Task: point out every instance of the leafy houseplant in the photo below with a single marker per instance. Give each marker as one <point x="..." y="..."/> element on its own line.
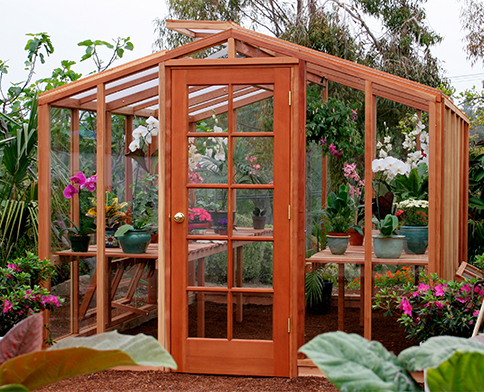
<point x="222" y="226"/>
<point x="258" y="218"/>
<point x="79" y="236"/>
<point x="357" y="188"/>
<point x="339" y="215"/>
<point x="318" y="287"/>
<point x="387" y="245"/>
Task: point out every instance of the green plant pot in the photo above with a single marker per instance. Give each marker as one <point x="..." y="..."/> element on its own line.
<point x="338" y="243"/>
<point x="416" y="239"/>
<point x="258" y="222"/>
<point x="135" y="241"/>
<point x="79" y="243"/>
<point x="388" y="247"/>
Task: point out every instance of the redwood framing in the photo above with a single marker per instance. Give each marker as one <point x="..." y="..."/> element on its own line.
<point x="143" y="88"/>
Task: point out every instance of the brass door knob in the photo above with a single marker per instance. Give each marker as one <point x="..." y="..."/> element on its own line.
<point x="179" y="217"/>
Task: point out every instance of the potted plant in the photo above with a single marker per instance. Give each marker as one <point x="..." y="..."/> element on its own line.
<point x="222" y="226"/>
<point x="318" y="288"/>
<point x="259" y="218"/>
<point x="79" y="236"/>
<point x="115" y="213"/>
<point x="199" y="220"/>
<point x="414" y="214"/>
<point x="357" y="188"/>
<point x="339" y="218"/>
<point x="387" y="245"/>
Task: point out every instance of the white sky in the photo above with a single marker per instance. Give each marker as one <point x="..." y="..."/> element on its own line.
<point x="69" y="22"/>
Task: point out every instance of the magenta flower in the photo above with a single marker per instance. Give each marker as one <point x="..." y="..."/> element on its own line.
<point x="90" y="183"/>
<point x="406" y="307"/>
<point x="79" y="179"/>
<point x="14" y="267"/>
<point x="476" y="312"/>
<point x="423" y="288"/>
<point x="70" y="191"/>
<point x="439" y="290"/>
<point x="7" y="305"/>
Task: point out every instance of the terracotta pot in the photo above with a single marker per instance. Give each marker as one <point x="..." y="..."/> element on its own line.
<point x="355" y="238"/>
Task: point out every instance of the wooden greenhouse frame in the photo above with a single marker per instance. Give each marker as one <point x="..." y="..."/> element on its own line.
<point x="146" y="87"/>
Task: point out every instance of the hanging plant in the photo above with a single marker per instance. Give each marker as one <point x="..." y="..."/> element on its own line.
<point x="333" y="125"/>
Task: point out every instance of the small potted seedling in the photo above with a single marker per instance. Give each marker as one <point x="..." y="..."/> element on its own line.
<point x="259" y="218"/>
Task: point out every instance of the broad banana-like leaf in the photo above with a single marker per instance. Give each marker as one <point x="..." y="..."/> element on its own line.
<point x="76" y="356"/>
<point x="353" y="363"/>
<point x="461" y="372"/>
<point x="13" y="388"/>
<point x="436" y="350"/>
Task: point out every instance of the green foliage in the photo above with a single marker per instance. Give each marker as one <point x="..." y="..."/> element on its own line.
<point x="354" y="364"/>
<point x="332" y="124"/>
<point x="476" y="203"/>
<point x="339" y="213"/>
<point x="92" y="47"/>
<point x="76" y="356"/>
<point x="435" y="307"/>
<point x="314" y="283"/>
<point x="414" y="186"/>
<point x="387" y="225"/>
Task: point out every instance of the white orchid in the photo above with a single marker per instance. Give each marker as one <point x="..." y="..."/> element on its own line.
<point x="383" y="154"/>
<point x="217" y="129"/>
<point x="134" y="145"/>
<point x="387" y="139"/>
<point x="143" y="135"/>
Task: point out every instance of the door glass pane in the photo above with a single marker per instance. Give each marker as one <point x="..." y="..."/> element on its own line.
<point x="252" y="316"/>
<point x="207" y="263"/>
<point x="254" y="212"/>
<point x="207" y="160"/>
<point x="257" y="112"/>
<point x="207" y="108"/>
<point x="207" y="211"/>
<point x="253" y="160"/>
<point x="253" y="264"/>
<point x="207" y="315"/>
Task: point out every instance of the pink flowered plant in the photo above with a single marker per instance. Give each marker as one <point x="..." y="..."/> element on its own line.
<point x="198" y="215"/>
<point x="82" y="182"/>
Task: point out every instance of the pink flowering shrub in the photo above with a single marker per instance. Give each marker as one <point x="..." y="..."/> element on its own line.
<point x="20" y="292"/>
<point x="198" y="215"/>
<point x="434" y="307"/>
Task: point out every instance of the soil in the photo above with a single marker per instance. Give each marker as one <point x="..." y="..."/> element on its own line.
<point x="384" y="329"/>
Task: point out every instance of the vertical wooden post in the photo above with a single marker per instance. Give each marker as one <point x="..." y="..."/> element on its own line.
<point x="370" y="135"/>
<point x="232" y="54"/>
<point x="163" y="244"/>
<point x="128" y="162"/>
<point x="107" y="150"/>
<point x="324" y="161"/>
<point x="102" y="279"/>
<point x="75" y="208"/>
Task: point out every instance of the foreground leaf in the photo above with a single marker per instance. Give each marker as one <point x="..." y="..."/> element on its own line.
<point x="436" y="350"/>
<point x="353" y="363"/>
<point x="13" y="388"/>
<point x="76" y="356"/>
<point x="460" y="373"/>
<point x="23" y="338"/>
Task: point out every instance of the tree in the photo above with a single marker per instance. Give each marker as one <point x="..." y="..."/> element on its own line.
<point x="472" y="18"/>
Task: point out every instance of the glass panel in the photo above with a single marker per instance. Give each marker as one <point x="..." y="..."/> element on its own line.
<point x="253" y="264"/>
<point x="207" y="263"/>
<point x="257" y="116"/>
<point x="207" y="160"/>
<point x="253" y="160"/>
<point x="254" y="211"/>
<point x="208" y="106"/>
<point x="207" y="315"/>
<point x="252" y="316"/>
<point x="207" y="210"/>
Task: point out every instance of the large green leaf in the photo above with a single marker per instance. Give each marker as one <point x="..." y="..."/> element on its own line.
<point x="460" y="373"/>
<point x="436" y="350"/>
<point x="353" y="363"/>
<point x="75" y="356"/>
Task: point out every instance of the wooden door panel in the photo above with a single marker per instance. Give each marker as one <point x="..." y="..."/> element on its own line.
<point x="214" y="355"/>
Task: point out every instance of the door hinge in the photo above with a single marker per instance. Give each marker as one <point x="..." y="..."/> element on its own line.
<point x="289" y="212"/>
<point x="290" y="98"/>
<point x="289" y="325"/>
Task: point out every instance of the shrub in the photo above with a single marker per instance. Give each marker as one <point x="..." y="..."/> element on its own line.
<point x="20" y="292"/>
<point x="435" y="307"/>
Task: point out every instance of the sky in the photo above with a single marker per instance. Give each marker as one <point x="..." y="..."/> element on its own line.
<point x="70" y="22"/>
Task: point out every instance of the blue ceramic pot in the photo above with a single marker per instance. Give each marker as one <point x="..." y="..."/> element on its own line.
<point x="388" y="247"/>
<point x="416" y="239"/>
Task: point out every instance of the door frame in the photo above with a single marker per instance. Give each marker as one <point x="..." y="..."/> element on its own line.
<point x="172" y="301"/>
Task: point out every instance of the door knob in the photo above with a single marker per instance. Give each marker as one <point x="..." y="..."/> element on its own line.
<point x="179" y="217"/>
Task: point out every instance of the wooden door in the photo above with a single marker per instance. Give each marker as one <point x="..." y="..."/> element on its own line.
<point x="230" y="282"/>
